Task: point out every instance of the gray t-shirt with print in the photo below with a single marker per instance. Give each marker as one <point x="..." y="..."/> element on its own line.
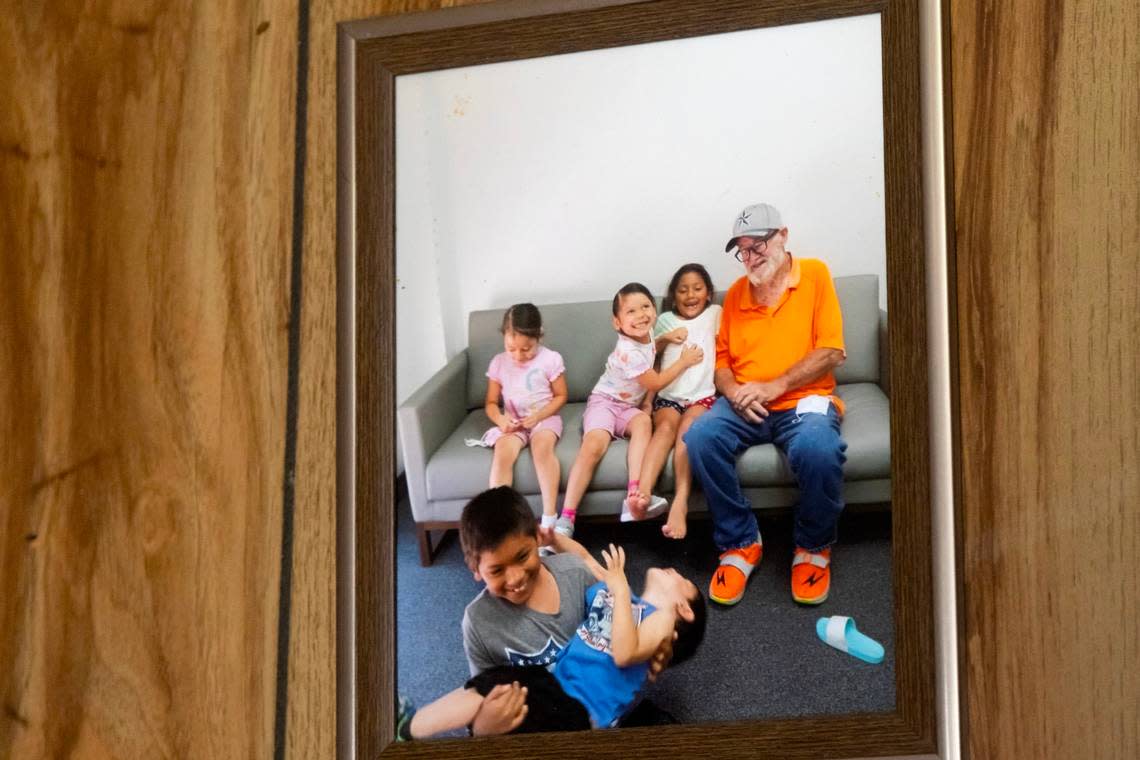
<point x="496" y="632"/>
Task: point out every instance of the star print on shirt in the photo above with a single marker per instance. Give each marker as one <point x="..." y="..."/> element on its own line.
<point x="546" y="656"/>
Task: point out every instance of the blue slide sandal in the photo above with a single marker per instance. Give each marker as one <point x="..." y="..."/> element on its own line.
<point x="840" y="632"/>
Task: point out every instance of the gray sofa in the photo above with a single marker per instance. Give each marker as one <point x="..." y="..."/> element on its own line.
<point x="443" y="473"/>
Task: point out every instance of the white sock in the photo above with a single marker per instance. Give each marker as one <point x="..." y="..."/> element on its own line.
<point x="549" y="520"/>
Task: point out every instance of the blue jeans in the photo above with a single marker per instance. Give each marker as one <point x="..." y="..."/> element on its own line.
<point x="815" y="453"/>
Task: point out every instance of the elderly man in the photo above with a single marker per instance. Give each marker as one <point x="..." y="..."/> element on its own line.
<point x="780" y="339"/>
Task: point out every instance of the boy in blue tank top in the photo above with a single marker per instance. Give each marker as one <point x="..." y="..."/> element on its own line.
<point x="602" y="670"/>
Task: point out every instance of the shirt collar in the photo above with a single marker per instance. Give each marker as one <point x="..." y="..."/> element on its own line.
<point x="794" y="275"/>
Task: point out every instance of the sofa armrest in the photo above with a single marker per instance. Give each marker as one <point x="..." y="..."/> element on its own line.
<point x="425" y="420"/>
<point x="884" y="355"/>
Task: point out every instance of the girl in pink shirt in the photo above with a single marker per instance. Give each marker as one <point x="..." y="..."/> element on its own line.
<point x="529" y="380"/>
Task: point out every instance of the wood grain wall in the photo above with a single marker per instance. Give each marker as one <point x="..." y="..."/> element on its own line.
<point x="1046" y="140"/>
<point x="146" y="168"/>
<point x="146" y="158"/>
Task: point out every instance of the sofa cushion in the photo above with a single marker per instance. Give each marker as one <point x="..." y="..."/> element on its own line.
<point x="457" y="471"/>
<point x="859" y="304"/>
<point x="866" y="428"/>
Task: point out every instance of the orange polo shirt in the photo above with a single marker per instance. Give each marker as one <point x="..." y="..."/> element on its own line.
<point x="760" y="344"/>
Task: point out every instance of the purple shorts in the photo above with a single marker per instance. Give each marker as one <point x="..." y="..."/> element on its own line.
<point x="611" y="415"/>
<point x="552" y="423"/>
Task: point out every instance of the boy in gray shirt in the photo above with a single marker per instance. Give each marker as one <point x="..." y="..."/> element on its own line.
<point x="499" y="632"/>
<point x="530" y="607"/>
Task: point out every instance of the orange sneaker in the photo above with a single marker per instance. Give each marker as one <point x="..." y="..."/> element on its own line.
<point x="731" y="576"/>
<point x="811" y="576"/>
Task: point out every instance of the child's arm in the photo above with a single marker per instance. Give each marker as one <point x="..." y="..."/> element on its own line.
<point x="630" y="644"/>
<point x="647" y="402"/>
<point x="449" y="712"/>
<point x="561" y="393"/>
<point x="676" y="335"/>
<point x="652" y="380"/>
<point x="566" y="545"/>
<point x="491" y="407"/>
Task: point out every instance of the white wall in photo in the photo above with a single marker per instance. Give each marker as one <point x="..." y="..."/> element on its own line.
<point x="562" y="178"/>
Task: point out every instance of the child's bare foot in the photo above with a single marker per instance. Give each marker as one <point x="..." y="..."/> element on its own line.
<point x="644" y="498"/>
<point x="636" y="503"/>
<point x="676" y="526"/>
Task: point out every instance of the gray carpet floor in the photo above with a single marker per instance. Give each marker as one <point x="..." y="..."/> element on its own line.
<point x="760" y="659"/>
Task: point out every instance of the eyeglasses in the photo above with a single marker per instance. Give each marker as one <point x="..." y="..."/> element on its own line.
<point x="756" y="248"/>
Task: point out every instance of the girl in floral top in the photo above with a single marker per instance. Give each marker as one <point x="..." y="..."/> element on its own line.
<point x="616" y="406"/>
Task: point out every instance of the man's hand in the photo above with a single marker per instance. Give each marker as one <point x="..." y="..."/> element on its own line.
<point x="502" y="711"/>
<point x="749" y="400"/>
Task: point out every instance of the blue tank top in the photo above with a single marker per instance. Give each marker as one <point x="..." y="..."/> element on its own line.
<point x="586" y="669"/>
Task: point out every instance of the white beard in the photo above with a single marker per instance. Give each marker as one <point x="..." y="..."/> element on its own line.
<point x="764" y="275"/>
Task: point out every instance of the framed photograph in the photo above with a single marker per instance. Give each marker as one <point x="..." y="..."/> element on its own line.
<point x="550" y="152"/>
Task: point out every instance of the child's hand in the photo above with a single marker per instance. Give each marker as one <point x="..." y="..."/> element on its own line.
<point x="502" y="711"/>
<point x="614" y="574"/>
<point x="661" y="657"/>
<point x="508" y="424"/>
<point x="678" y="335"/>
<point x="692" y="355"/>
<point x="529" y="421"/>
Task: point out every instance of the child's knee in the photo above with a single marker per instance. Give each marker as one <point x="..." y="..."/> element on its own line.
<point x="594" y="445"/>
<point x="508" y="443"/>
<point x="542" y="450"/>
<point x="641" y="425"/>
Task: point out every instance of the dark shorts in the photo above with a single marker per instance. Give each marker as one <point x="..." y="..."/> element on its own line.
<point x="664" y="403"/>
<point x="549" y="708"/>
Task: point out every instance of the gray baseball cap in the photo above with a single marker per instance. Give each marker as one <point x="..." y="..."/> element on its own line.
<point x="757" y="220"/>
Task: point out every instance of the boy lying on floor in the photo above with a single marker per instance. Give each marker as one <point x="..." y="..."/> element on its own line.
<point x="601" y="672"/>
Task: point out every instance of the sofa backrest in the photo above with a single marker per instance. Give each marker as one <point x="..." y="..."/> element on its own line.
<point x="583" y="333"/>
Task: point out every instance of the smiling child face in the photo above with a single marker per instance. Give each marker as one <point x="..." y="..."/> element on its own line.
<point x="691" y="296"/>
<point x="636" y="316"/>
<point x="511" y="569"/>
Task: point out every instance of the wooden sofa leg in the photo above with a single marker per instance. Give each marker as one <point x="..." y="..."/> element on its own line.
<point x="424" y="537"/>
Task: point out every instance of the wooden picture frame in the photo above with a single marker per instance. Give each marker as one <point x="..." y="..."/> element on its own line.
<point x="372" y="53"/>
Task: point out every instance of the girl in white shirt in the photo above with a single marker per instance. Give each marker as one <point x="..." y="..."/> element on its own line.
<point x="690" y="318"/>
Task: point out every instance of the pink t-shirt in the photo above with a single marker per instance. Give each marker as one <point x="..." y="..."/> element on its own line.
<point x="629" y="361"/>
<point x="526" y="387"/>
